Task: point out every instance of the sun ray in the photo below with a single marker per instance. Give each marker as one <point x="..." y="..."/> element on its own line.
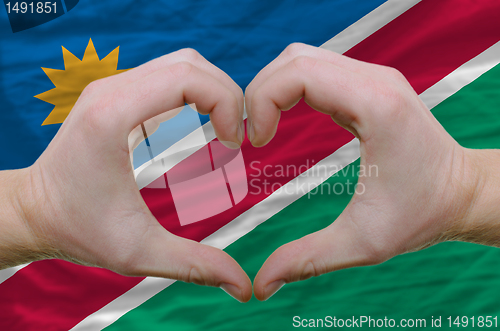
<point x="70" y="82"/>
<point x="112" y="58"/>
<point x="70" y="60"/>
<point x="54" y="75"/>
<point x="90" y="53"/>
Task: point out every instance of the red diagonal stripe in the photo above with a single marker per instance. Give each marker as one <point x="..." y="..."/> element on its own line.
<point x="432" y="39"/>
<point x="426" y="43"/>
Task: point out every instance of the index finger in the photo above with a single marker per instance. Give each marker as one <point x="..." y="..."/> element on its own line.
<point x="183" y="55"/>
<point x="328" y="88"/>
<point x="116" y="114"/>
<point x="295" y="50"/>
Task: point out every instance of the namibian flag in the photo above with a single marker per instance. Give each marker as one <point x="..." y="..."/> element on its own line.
<point x="448" y="50"/>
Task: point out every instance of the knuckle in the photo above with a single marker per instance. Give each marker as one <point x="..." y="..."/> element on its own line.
<point x="295" y="49"/>
<point x="99" y="111"/>
<point x="92" y="88"/>
<point x="396" y="74"/>
<point x="308" y="264"/>
<point x="310" y="269"/>
<point x="181" y="69"/>
<point x="392" y="98"/>
<point x="304" y="63"/>
<point x="189" y="54"/>
<point x="194" y="276"/>
<point x="191" y="275"/>
<point x="392" y="101"/>
<point x="194" y="270"/>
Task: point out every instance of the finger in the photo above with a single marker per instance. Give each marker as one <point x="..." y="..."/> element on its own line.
<point x="330" y="89"/>
<point x="166" y="255"/>
<point x="333" y="248"/>
<point x="298" y="49"/>
<point x="184" y="55"/>
<point x="167" y="89"/>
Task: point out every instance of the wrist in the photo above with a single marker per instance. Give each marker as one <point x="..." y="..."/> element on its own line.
<point x="479" y="221"/>
<point x="18" y="241"/>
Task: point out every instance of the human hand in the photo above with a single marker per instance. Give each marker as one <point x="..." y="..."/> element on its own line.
<point x="80" y="201"/>
<point x="427" y="186"/>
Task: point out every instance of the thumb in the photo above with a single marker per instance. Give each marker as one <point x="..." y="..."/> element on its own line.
<point x="333" y="248"/>
<point x="169" y="256"/>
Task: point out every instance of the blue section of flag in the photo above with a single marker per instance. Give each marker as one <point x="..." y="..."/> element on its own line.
<point x="240" y="37"/>
<point x="70" y="4"/>
<point x="166" y="135"/>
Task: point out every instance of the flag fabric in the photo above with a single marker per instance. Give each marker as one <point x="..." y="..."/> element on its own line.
<point x="449" y="51"/>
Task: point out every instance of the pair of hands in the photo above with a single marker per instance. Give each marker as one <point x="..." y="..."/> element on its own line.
<point x="80" y="202"/>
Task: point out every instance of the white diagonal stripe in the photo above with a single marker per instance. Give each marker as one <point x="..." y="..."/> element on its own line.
<point x="368" y="24"/>
<point x="126" y="302"/>
<point x="462" y="76"/>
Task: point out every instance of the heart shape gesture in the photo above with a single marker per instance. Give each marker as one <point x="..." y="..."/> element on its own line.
<point x="80" y="202"/>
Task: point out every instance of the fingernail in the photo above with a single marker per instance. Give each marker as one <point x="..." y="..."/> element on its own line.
<point x="241" y="132"/>
<point x="250" y="129"/>
<point x="272" y="288"/>
<point x="232" y="290"/>
<point x="230" y="144"/>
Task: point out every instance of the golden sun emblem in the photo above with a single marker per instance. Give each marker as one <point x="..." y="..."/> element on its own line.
<point x="70" y="82"/>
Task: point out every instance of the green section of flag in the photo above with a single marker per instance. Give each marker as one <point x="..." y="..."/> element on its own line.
<point x="472" y="115"/>
<point x="449" y="279"/>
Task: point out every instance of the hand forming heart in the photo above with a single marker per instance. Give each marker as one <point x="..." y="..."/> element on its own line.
<point x="80" y="202"/>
